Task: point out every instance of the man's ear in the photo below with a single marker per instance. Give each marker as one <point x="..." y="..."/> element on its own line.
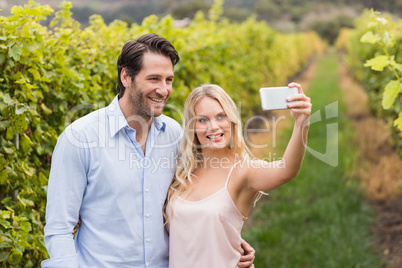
<point x="125" y="78"/>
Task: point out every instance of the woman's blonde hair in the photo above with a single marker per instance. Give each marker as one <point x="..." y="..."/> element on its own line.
<point x="190" y="148"/>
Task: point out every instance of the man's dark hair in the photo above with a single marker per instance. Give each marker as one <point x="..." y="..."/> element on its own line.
<point x="132" y="54"/>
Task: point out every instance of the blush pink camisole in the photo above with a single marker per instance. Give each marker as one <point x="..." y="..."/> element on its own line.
<point x="205" y="233"/>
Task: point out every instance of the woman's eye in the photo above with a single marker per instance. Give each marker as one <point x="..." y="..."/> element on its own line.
<point x="221" y="116"/>
<point x="203" y="120"/>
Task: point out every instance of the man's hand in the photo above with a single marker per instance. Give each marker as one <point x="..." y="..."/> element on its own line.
<point x="77" y="226"/>
<point x="248" y="255"/>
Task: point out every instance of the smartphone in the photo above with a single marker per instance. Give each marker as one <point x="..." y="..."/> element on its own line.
<point x="274" y="98"/>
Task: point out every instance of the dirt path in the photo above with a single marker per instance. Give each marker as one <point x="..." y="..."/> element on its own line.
<point x="379" y="170"/>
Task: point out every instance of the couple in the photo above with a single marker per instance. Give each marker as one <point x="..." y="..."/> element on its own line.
<point x="101" y="170"/>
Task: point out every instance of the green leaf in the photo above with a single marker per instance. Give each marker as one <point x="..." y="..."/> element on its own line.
<point x="4" y="256"/>
<point x="5" y="224"/>
<point x="378" y="63"/>
<point x="25" y="143"/>
<point x="22" y="81"/>
<point x="29" y="264"/>
<point x="2" y="58"/>
<point x="42" y="179"/>
<point x="26" y="227"/>
<point x="11" y="173"/>
<point x="30" y="86"/>
<point x="2" y="105"/>
<point x="33" y="11"/>
<point x="28" y="170"/>
<point x="4" y="124"/>
<point x="372" y="24"/>
<point x="4" y="245"/>
<point x="45" y="79"/>
<point x="8" y="150"/>
<point x="10" y="43"/>
<point x="3" y="176"/>
<point x="15" y="52"/>
<point x="20" y="219"/>
<point x="388" y="39"/>
<point x="46" y="110"/>
<point x="35" y="73"/>
<point x="32" y="47"/>
<point x="15" y="256"/>
<point x="398" y="66"/>
<point x="65" y="38"/>
<point x="391" y="91"/>
<point x="21" y="110"/>
<point x="370" y="38"/>
<point x="10" y="133"/>
<point x="8" y="100"/>
<point x="3" y="161"/>
<point x="5" y="214"/>
<point x="398" y="122"/>
<point x="19" y="246"/>
<point x="20" y="124"/>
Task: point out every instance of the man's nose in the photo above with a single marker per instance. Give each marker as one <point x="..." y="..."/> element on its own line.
<point x="163" y="89"/>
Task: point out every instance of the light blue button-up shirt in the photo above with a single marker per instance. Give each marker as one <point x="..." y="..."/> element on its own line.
<point x="100" y="172"/>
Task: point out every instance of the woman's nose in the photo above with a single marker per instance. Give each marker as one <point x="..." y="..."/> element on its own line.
<point x="213" y="125"/>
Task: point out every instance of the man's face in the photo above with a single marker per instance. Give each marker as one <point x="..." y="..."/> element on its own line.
<point x="152" y="86"/>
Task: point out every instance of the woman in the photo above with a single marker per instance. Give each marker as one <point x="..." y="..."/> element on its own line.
<point x="217" y="181"/>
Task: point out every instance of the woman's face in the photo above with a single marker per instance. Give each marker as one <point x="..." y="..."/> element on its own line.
<point x="212" y="126"/>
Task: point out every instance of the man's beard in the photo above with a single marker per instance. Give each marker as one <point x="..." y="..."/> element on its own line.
<point x="141" y="105"/>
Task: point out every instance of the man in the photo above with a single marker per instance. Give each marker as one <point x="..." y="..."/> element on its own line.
<point x="114" y="166"/>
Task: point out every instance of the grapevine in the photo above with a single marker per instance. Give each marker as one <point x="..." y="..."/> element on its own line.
<point x="374" y="57"/>
<point x="385" y="39"/>
<point x="50" y="72"/>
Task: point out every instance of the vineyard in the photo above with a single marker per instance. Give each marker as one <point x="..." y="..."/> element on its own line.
<point x="56" y="74"/>
<point x="49" y="72"/>
<point x="374" y="56"/>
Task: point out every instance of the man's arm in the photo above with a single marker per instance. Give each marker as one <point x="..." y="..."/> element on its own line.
<point x="67" y="182"/>
<point x="248" y="256"/>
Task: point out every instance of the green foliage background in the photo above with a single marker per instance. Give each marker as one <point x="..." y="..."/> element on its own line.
<point x="374" y="55"/>
<point x="52" y="75"/>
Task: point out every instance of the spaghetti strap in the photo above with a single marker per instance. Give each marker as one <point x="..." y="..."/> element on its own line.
<point x="230" y="172"/>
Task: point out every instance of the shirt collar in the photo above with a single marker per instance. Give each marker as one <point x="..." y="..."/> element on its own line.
<point x="117" y="120"/>
<point x="159" y="123"/>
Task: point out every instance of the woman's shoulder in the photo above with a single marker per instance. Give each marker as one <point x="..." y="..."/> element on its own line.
<point x="249" y="162"/>
<point x="251" y="166"/>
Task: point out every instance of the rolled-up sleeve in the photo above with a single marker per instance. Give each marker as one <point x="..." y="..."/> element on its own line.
<point x="66" y="187"/>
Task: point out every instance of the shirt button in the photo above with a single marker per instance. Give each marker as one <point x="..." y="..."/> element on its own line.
<point x="148" y="240"/>
<point x="148" y="264"/>
<point x="146" y="190"/>
<point x="147" y="215"/>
